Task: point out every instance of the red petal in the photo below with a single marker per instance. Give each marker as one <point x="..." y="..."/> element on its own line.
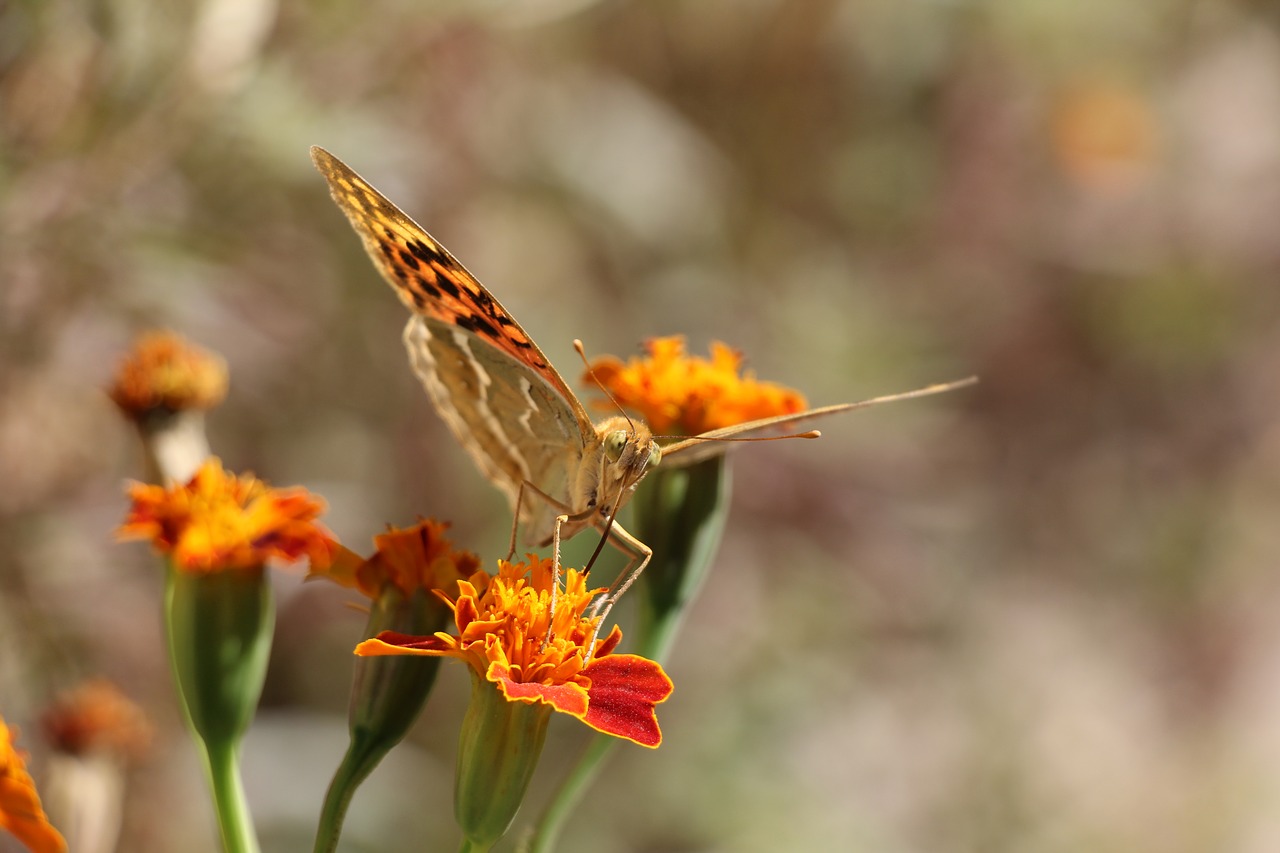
<point x="394" y="643"/>
<point x="569" y="698"/>
<point x="624" y="690"/>
<point x="465" y="612"/>
<point x="609" y="643"/>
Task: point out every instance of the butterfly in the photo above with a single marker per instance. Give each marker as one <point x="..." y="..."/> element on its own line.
<point x="507" y="405"/>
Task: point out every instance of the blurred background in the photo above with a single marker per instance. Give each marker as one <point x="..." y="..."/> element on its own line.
<point x="1037" y="615"/>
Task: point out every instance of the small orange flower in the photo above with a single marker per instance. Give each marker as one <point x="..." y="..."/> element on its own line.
<point x="20" y="809"/>
<point x="219" y="521"/>
<point x="97" y="717"/>
<point x="1105" y="135"/>
<point x="164" y="371"/>
<point x="688" y="395"/>
<point x="410" y="558"/>
<point x="503" y="622"/>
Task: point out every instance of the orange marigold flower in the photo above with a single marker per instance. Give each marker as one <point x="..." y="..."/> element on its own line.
<point x="678" y="394"/>
<point x="164" y="371"/>
<point x="20" y="809"/>
<point x="1105" y="134"/>
<point x="503" y="622"/>
<point x="218" y="521"/>
<point x="410" y="558"/>
<point x="96" y="717"/>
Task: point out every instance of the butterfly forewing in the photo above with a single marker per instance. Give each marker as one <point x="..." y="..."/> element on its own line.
<point x="504" y="402"/>
<point x="430" y="280"/>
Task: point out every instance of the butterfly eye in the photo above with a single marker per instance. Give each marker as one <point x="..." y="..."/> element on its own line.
<point x="655" y="455"/>
<point x="614" y="443"/>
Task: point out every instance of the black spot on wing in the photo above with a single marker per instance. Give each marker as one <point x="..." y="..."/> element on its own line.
<point x="408" y="259"/>
<point x="478" y="325"/>
<point x="431" y="289"/>
<point x="448" y="285"/>
<point x="485" y="303"/>
<point x="420" y="250"/>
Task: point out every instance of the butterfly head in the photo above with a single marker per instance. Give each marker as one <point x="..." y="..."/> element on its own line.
<point x="629" y="451"/>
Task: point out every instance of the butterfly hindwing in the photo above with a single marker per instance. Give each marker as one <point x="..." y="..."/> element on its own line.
<point x="513" y="424"/>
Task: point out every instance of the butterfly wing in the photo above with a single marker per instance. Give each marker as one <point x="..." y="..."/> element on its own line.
<point x="490" y="382"/>
<point x="696" y="448"/>
<point x="511" y="421"/>
<point x="430" y="280"/>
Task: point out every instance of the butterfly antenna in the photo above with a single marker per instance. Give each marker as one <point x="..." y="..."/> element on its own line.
<point x="591" y="371"/>
<point x="812" y="433"/>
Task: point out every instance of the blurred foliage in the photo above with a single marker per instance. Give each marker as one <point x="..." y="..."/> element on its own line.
<point x="1034" y="616"/>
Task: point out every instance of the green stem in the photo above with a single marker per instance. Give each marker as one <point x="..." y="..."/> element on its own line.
<point x="386" y="695"/>
<point x="351" y="772"/>
<point x="219" y="626"/>
<point x="234" y="822"/>
<point x="469" y="846"/>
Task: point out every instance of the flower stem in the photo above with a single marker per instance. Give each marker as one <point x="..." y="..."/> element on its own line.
<point x="386" y="696"/>
<point x="351" y="772"/>
<point x="219" y="627"/>
<point x="470" y="846"/>
<point x="234" y="821"/>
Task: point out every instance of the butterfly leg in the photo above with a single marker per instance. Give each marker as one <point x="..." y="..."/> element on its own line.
<point x="561" y="520"/>
<point x="515" y="521"/>
<point x="555" y="574"/>
<point x="565" y="517"/>
<point x="640" y="555"/>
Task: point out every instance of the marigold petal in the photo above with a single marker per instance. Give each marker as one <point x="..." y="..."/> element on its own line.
<point x="395" y="643"/>
<point x="623" y="694"/>
<point x="218" y="521"/>
<point x="688" y="394"/>
<point x="409" y="558"/>
<point x="609" y="643"/>
<point x="96" y="717"/>
<point x="20" y="811"/>
<point x="605" y="369"/>
<point x="165" y="371"/>
<point x="568" y="698"/>
<point x="21" y="815"/>
<point x="478" y="630"/>
<point x="342" y="568"/>
<point x="465" y="612"/>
